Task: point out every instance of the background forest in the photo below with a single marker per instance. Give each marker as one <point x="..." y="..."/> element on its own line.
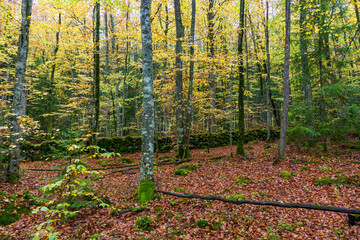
<point x="324" y="66"/>
<point x="93" y="91"/>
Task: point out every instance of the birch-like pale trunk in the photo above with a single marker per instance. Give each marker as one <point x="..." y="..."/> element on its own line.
<point x="19" y="98"/>
<point x="284" y="119"/>
<point x="146" y="186"/>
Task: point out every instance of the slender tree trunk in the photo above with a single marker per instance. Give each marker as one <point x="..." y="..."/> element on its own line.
<point x="212" y="83"/>
<point x="284" y="119"/>
<point x="268" y="113"/>
<point x="146" y="185"/>
<point x="19" y="98"/>
<point x="240" y="142"/>
<point x="166" y="31"/>
<point x="181" y="151"/>
<point x="95" y="127"/>
<point x="191" y="77"/>
<point x="304" y="54"/>
<point x="107" y="71"/>
<point x="247" y="126"/>
<point x="357" y="18"/>
<point x="125" y="72"/>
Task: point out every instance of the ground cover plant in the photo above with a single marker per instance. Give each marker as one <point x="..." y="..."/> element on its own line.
<point x="241" y="178"/>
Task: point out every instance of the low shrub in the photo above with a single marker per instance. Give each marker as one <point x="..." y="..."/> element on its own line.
<point x="145" y="223"/>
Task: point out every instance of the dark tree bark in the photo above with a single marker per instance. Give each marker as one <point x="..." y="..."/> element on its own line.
<point x="19" y="98"/>
<point x="240" y="141"/>
<point x="304" y="54"/>
<point x="107" y="71"/>
<point x="357" y="18"/>
<point x="212" y="83"/>
<point x="182" y="152"/>
<point x="284" y="119"/>
<point x="95" y="124"/>
<point x="191" y="77"/>
<point x="146" y="186"/>
<point x="268" y="113"/>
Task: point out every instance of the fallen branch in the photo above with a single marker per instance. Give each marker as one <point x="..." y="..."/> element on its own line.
<point x="133" y="210"/>
<point x="266" y="203"/>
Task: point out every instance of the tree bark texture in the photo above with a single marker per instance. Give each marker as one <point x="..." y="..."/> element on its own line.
<point x="95" y="127"/>
<point x="180" y="110"/>
<point x="147" y="151"/>
<point x="284" y="119"/>
<point x="268" y="113"/>
<point x="240" y="142"/>
<point x="19" y="98"/>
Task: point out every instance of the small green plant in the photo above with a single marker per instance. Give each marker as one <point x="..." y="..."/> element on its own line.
<point x="124" y="160"/>
<point x="181" y="172"/>
<point x="202" y="223"/>
<point x="221" y="175"/>
<point x="304" y="169"/>
<point x="270" y="234"/>
<point x="236" y="197"/>
<point x="94" y="236"/>
<point x="243" y="180"/>
<point x="287" y="175"/>
<point x="285" y="226"/>
<point x="184" y="169"/>
<point x="175" y="232"/>
<point x="249" y="147"/>
<point x="179" y="189"/>
<point x="325" y="168"/>
<point x="144" y="223"/>
<point x="340" y="180"/>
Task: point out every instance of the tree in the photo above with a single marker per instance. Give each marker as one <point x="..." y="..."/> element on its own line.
<point x="268" y="113"/>
<point x="146" y="186"/>
<point x="240" y="141"/>
<point x="191" y="78"/>
<point x="95" y="124"/>
<point x="19" y="98"/>
<point x="182" y="152"/>
<point x="284" y="119"/>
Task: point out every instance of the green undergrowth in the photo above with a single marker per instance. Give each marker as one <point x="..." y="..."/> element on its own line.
<point x="184" y="169"/>
<point x="12" y="206"/>
<point x="339" y="180"/>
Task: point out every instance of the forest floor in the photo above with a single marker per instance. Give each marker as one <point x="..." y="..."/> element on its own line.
<point x="254" y="176"/>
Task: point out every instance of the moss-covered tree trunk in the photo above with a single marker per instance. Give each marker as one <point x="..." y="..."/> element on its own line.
<point x="19" y="98"/>
<point x="146" y="186"/>
<point x="240" y="142"/>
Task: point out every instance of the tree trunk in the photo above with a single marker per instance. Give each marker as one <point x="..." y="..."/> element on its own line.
<point x="284" y="119"/>
<point x="19" y="98"/>
<point x="304" y="55"/>
<point x="191" y="78"/>
<point x="247" y="125"/>
<point x="240" y="142"/>
<point x="146" y="187"/>
<point x="268" y="113"/>
<point x="357" y="18"/>
<point x="181" y="151"/>
<point x="107" y="71"/>
<point x="211" y="37"/>
<point x="95" y="127"/>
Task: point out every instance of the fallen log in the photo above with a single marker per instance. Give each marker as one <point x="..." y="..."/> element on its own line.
<point x="266" y="203"/>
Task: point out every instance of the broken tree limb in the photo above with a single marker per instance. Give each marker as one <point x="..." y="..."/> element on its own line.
<point x="266" y="203"/>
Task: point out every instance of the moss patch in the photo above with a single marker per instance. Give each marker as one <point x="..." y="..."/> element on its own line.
<point x="146" y="190"/>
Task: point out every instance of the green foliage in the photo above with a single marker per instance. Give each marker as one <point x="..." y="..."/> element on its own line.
<point x="325" y="168"/>
<point x="236" y="197"/>
<point x="184" y="169"/>
<point x="285" y="226"/>
<point x="243" y="180"/>
<point x="202" y="223"/>
<point x="304" y="169"/>
<point x="271" y="235"/>
<point x="145" y="223"/>
<point x="179" y="189"/>
<point x="340" y="180"/>
<point x="287" y="175"/>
